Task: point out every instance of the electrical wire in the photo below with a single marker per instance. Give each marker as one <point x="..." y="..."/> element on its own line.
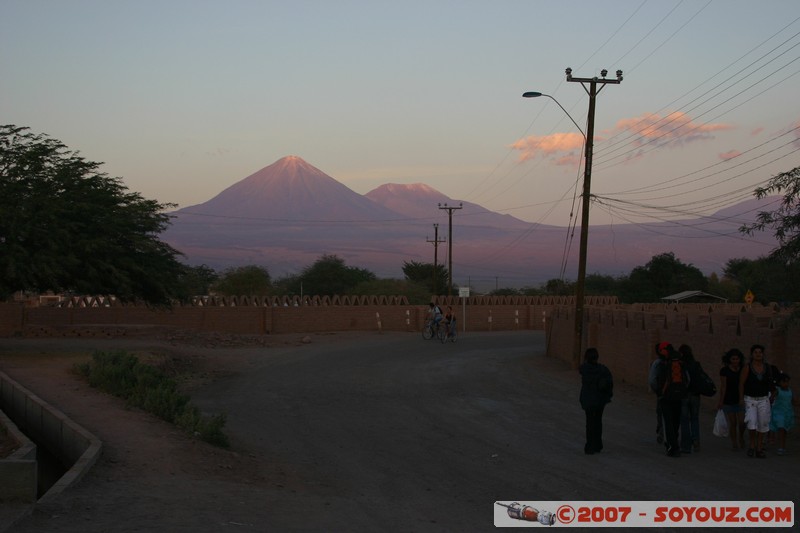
<point x="606" y="149"/>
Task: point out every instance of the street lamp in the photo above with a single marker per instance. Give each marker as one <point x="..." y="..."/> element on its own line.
<point x="534" y="94"/>
<point x="580" y="285"/>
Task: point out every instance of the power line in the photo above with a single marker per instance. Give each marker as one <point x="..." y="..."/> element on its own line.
<point x="605" y="151"/>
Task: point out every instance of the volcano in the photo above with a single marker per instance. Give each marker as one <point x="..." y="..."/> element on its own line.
<point x="291" y="190"/>
<point x="290" y="213"/>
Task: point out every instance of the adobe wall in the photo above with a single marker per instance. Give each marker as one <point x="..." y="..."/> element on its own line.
<point x="103" y="316"/>
<point x="626" y="335"/>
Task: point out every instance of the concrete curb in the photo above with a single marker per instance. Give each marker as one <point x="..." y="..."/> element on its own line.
<point x="51" y="428"/>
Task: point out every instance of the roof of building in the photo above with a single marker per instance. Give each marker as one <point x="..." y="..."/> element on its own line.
<point x="691" y="294"/>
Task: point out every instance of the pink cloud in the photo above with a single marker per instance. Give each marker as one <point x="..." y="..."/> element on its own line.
<point x="559" y="146"/>
<point x="756" y="132"/>
<point x="569" y="160"/>
<point x="726" y="156"/>
<point x="674" y="129"/>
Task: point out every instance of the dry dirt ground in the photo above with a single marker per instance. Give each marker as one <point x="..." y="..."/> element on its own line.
<point x="366" y="432"/>
<point x="139" y="451"/>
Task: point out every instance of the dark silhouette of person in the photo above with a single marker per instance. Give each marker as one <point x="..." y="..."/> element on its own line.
<point x="597" y="386"/>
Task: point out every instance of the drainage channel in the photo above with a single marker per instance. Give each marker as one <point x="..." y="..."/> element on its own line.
<point x="49" y="469"/>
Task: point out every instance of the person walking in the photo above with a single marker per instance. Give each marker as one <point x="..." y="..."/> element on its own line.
<point x="669" y="380"/>
<point x="654" y="369"/>
<point x="690" y="410"/>
<point x="597" y="388"/>
<point x="755" y="387"/>
<point x="729" y="399"/>
<point x="783" y="411"/>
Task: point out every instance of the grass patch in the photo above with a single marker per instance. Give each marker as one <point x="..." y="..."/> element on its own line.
<point x="148" y="388"/>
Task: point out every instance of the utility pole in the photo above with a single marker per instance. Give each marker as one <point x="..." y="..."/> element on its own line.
<point x="435" y="242"/>
<point x="595" y="85"/>
<point x="450" y="244"/>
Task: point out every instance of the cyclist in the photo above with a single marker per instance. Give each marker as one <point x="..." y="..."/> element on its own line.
<point x="435" y="314"/>
<point x="450" y="322"/>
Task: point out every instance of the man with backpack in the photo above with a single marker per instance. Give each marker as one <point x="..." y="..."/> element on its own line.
<point x="669" y="379"/>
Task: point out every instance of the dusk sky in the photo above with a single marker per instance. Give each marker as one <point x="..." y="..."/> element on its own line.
<point x="183" y="98"/>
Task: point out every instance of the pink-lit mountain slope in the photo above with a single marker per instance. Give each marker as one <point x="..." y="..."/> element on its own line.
<point x="287" y="215"/>
<point x="419" y="201"/>
<point x="290" y="189"/>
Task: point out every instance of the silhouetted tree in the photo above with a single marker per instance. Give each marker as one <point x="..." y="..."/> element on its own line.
<point x="785" y="219"/>
<point x="251" y="280"/>
<point x="423" y="273"/>
<point x="505" y="291"/>
<point x="662" y="276"/>
<point x="196" y="281"/>
<point x="328" y="276"/>
<point x="559" y="287"/>
<point x="415" y="292"/>
<point x="66" y="226"/>
<point x="769" y="278"/>
<point x="601" y="285"/>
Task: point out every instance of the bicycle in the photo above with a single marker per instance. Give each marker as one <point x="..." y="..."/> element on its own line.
<point x="451" y="333"/>
<point x="430" y="330"/>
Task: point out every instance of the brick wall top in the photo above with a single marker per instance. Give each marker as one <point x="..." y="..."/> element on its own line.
<point x="524" y="300"/>
<point x="244" y="301"/>
<point x="344" y="300"/>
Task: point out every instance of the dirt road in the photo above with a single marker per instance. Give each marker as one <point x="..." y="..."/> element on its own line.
<point x="366" y="432"/>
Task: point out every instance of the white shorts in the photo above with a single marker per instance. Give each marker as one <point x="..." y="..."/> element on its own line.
<point x="757" y="413"/>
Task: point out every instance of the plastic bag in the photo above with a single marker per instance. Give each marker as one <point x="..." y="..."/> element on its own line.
<point x="720" y="424"/>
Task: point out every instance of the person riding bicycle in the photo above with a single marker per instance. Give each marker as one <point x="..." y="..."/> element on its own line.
<point x="450" y="321"/>
<point x="435" y="313"/>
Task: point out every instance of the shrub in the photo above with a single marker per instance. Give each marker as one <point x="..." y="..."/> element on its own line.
<point x="143" y="386"/>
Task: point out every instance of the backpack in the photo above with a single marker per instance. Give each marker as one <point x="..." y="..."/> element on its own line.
<point x="605" y="383"/>
<point x="674" y="377"/>
<point x="701" y="383"/>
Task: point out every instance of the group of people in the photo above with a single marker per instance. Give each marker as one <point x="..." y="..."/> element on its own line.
<point x="755" y="397"/>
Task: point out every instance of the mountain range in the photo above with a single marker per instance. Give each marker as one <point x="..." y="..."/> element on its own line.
<point x="290" y="213"/>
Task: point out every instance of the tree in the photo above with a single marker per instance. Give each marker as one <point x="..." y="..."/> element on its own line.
<point x="432" y="277"/>
<point x="196" y="281"/>
<point x="532" y="291"/>
<point x="66" y="226"/>
<point x="725" y="287"/>
<point x="559" y="287"/>
<point x="785" y="220"/>
<point x="251" y="280"/>
<point x="505" y="291"/>
<point x="329" y="276"/>
<point x="601" y="285"/>
<point x="769" y="278"/>
<point x="662" y="276"/>
<point x="287" y="285"/>
<point x="415" y="293"/>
